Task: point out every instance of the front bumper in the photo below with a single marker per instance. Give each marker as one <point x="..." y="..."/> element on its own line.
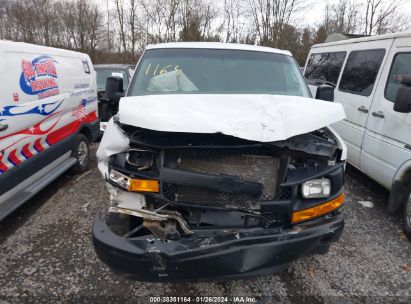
<point x="249" y="252"/>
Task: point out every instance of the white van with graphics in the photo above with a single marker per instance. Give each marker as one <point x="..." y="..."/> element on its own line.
<point x="48" y="117"/>
<point x="371" y="78"/>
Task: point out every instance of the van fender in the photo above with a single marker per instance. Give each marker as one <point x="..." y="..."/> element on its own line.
<point x="401" y="187"/>
<point x="91" y="130"/>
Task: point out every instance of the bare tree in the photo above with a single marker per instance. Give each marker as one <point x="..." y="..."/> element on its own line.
<point x="233" y="20"/>
<point x="155" y="21"/>
<point x="190" y="21"/>
<point x="196" y="20"/>
<point x="171" y="19"/>
<point x="341" y="17"/>
<point x="122" y="22"/>
<point x="84" y="26"/>
<point x="3" y="18"/>
<point x="132" y="22"/>
<point x="380" y="14"/>
<point x="345" y="16"/>
<point x="271" y="17"/>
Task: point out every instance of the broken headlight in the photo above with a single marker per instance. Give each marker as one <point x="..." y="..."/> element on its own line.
<point x="140" y="158"/>
<point x="316" y="188"/>
<point x="134" y="185"/>
<point x="120" y="179"/>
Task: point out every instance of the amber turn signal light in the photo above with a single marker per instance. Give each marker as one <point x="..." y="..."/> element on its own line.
<point x="318" y="210"/>
<point x="144" y="185"/>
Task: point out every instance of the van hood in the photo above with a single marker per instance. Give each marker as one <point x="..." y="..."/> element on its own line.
<point x="256" y="117"/>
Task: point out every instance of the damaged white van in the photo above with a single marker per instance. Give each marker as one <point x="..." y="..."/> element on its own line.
<point x="219" y="165"/>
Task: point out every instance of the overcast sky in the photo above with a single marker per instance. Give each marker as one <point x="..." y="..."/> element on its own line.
<point x="312" y="16"/>
<point x="315" y="14"/>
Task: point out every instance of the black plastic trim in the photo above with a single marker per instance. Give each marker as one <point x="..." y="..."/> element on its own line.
<point x="233" y="254"/>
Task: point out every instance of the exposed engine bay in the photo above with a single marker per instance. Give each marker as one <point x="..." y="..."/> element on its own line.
<point x="208" y="185"/>
<point x="213" y="180"/>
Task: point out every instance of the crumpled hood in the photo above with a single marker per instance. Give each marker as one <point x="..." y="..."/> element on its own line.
<point x="256" y="117"/>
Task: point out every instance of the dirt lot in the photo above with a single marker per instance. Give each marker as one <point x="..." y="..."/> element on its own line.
<point x="46" y="255"/>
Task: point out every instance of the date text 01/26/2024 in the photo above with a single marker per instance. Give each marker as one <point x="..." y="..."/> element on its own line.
<point x="205" y="299"/>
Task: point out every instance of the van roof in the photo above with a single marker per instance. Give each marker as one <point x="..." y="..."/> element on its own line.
<point x="365" y="39"/>
<point x="217" y="45"/>
<point x="33" y="48"/>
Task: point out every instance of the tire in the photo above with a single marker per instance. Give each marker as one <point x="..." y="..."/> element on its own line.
<point x="407" y="217"/>
<point x="81" y="152"/>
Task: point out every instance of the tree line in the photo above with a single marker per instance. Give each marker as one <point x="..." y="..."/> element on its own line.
<point x="118" y="30"/>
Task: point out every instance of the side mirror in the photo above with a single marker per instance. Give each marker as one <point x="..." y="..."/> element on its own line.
<point x="325" y="92"/>
<point x="114" y="88"/>
<point x="403" y="100"/>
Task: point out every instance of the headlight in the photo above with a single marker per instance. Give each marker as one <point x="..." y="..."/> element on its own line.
<point x="134" y="185"/>
<point x="316" y="188"/>
<point x="120" y="179"/>
<point x="140" y="158"/>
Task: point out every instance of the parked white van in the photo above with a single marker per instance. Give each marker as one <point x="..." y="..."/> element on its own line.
<point x="371" y="78"/>
<point x="48" y="117"/>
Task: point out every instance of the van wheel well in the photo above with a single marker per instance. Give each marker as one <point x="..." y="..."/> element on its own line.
<point x="400" y="191"/>
<point x="87" y="133"/>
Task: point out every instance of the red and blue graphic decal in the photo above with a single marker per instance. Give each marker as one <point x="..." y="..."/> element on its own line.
<point x="42" y="135"/>
<point x="44" y="109"/>
<point x="39" y="77"/>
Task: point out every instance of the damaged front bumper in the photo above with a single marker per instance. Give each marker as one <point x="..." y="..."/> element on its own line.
<point x="233" y="254"/>
<point x="187" y="207"/>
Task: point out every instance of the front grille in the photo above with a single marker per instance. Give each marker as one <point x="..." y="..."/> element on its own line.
<point x="248" y="164"/>
<point x="192" y="195"/>
<point x="285" y="193"/>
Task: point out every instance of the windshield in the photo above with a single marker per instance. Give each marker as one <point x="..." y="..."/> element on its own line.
<point x="103" y="74"/>
<point x="212" y="71"/>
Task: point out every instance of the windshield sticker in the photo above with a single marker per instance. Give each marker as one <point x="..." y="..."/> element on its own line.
<point x="171" y="82"/>
<point x="39" y="77"/>
<point x="157" y="70"/>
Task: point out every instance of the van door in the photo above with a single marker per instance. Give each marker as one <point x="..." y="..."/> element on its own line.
<point x="387" y="142"/>
<point x="6" y="142"/>
<point x="355" y="92"/>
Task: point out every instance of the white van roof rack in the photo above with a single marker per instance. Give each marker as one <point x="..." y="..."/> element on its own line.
<point x="342" y="36"/>
<point x="346" y="39"/>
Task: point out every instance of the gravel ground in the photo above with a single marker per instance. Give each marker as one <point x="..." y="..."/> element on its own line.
<point x="46" y="255"/>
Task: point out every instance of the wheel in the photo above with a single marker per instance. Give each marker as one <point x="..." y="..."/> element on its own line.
<point x="81" y="152"/>
<point x="407" y="217"/>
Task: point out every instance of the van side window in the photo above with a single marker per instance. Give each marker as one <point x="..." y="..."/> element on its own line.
<point x="401" y="67"/>
<point x="361" y="71"/>
<point x="324" y="67"/>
